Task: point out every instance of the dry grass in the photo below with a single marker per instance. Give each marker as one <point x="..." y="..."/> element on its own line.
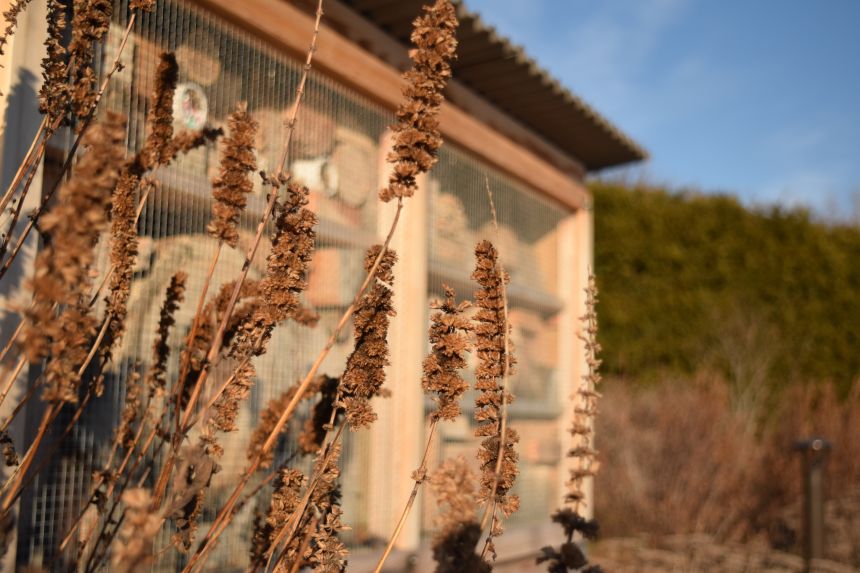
<point x="678" y="458"/>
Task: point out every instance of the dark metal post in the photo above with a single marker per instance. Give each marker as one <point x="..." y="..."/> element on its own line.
<point x="814" y="452"/>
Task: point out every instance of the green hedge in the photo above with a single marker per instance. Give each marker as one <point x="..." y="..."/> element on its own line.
<point x="690" y="280"/>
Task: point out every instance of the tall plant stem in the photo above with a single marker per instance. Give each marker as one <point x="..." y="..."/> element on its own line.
<point x="12" y="486"/>
<point x="11" y="342"/>
<point x="490" y="511"/>
<point x="421" y="475"/>
<point x="189" y="340"/>
<point x="25" y="165"/>
<point x="101" y="477"/>
<point x="13" y="376"/>
<point x="34" y="217"/>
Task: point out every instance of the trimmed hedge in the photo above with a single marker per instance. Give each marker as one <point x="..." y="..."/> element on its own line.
<point x="690" y="281"/>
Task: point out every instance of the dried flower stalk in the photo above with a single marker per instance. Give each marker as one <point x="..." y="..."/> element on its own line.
<point x="62" y="273"/>
<point x="11" y="15"/>
<point x="55" y="93"/>
<point x="158" y="149"/>
<point x="449" y="337"/>
<point x="231" y="187"/>
<point x="569" y="557"/>
<point x="585" y="408"/>
<point x="90" y="24"/>
<point x="417" y="137"/>
<point x="497" y="456"/>
<point x="156" y="376"/>
<point x="364" y="375"/>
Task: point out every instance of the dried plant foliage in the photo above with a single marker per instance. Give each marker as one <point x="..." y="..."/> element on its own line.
<point x="569" y="557"/>
<point x="142" y="5"/>
<point x="131" y="413"/>
<point x="585" y="404"/>
<point x="286" y="277"/>
<point x="449" y="337"/>
<point x="364" y="375"/>
<point x="231" y="187"/>
<point x="90" y="24"/>
<point x="10" y="16"/>
<point x="55" y="93"/>
<point x="286" y="496"/>
<point x="454" y="486"/>
<point x="329" y="553"/>
<point x="10" y="456"/>
<point x="314" y="430"/>
<point x="156" y="376"/>
<point x="132" y="549"/>
<point x="193" y="474"/>
<point x="63" y="267"/>
<point x="417" y="137"/>
<point x="158" y="149"/>
<point x="491" y="330"/>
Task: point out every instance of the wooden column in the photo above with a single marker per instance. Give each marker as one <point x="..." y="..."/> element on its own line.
<point x="575" y="257"/>
<point x="398" y="435"/>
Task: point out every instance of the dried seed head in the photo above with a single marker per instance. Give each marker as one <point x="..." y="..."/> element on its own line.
<point x="286" y="496"/>
<point x="417" y="137"/>
<point x="585" y="404"/>
<point x="364" y="375"/>
<point x="449" y="337"/>
<point x="10" y="16"/>
<point x="142" y="5"/>
<point x="231" y="187"/>
<point x="90" y="24"/>
<point x="63" y="268"/>
<point x="54" y="94"/>
<point x="156" y="376"/>
<point x="492" y="334"/>
<point x="158" y="149"/>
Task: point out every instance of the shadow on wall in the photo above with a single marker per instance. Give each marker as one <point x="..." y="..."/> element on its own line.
<point x="21" y="118"/>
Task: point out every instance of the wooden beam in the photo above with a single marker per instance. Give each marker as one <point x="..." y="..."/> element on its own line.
<point x="289" y="28"/>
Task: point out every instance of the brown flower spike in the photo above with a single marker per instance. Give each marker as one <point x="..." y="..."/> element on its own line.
<point x="491" y="330"/>
<point x="449" y="331"/>
<point x="231" y="187"/>
<point x="417" y="139"/>
<point x="63" y="268"/>
<point x="365" y="368"/>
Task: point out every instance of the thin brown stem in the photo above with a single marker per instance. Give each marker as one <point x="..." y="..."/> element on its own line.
<point x="25" y="165"/>
<point x="421" y="476"/>
<point x="13" y="376"/>
<point x="490" y="510"/>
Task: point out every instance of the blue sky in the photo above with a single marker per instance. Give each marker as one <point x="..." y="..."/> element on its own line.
<point x="757" y="98"/>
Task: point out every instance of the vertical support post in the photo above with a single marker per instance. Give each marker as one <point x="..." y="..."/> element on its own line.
<point x="814" y="452"/>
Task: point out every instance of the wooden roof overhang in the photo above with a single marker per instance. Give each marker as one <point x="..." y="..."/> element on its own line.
<point x="500" y="105"/>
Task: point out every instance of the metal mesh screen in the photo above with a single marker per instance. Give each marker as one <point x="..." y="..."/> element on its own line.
<point x="336" y="152"/>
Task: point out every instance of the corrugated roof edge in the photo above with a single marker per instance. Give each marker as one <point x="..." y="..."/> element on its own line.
<point x="547" y="79"/>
